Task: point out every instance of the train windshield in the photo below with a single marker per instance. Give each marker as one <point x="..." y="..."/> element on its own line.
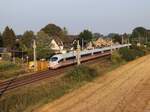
<point x="54" y="59"/>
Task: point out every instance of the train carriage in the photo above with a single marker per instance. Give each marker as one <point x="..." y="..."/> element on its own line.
<point x="66" y="59"/>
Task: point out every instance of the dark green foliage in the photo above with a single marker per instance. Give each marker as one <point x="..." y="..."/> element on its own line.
<point x="117" y="38"/>
<point x="43" y="45"/>
<point x="127" y="54"/>
<point x="131" y="54"/>
<point x="9" y="69"/>
<point x="9" y="38"/>
<point x="82" y="73"/>
<point x="86" y="35"/>
<point x="27" y="39"/>
<point x="6" y="66"/>
<point x="43" y="53"/>
<point x="53" y="30"/>
<point x="139" y="31"/>
<point x="140" y="34"/>
<point x="97" y="35"/>
<point x="26" y="43"/>
<point x="116" y="58"/>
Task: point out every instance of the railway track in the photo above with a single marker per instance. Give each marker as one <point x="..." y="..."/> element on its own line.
<point x="25" y="80"/>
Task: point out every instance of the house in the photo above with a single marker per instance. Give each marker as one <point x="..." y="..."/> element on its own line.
<point x="56" y="44"/>
<point x="101" y="42"/>
<point x="69" y="41"/>
<point x="89" y="46"/>
<point x="64" y="45"/>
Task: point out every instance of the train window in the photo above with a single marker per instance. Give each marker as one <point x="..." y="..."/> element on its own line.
<point x="97" y="52"/>
<point x="86" y="55"/>
<point x="60" y="61"/>
<point x="54" y="59"/>
<point x="70" y="58"/>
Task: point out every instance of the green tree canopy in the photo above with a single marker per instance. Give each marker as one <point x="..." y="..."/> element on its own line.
<point x="116" y="37"/>
<point x="27" y="39"/>
<point x="43" y="45"/>
<point x="86" y="35"/>
<point x="139" y="31"/>
<point x="140" y="34"/>
<point x="9" y="38"/>
<point x="53" y="30"/>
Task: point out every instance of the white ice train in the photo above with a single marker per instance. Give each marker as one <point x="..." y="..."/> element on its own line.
<point x="61" y="60"/>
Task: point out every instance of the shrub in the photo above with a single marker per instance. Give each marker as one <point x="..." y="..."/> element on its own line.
<point x="82" y="73"/>
<point x="116" y="58"/>
<point x="126" y="54"/>
<point x="9" y="69"/>
<point x="6" y="65"/>
<point x="131" y="54"/>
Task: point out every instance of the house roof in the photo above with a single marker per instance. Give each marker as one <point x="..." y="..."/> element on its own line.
<point x="70" y="38"/>
<point x="57" y="40"/>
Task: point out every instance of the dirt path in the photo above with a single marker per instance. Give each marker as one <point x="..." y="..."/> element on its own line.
<point x="126" y="89"/>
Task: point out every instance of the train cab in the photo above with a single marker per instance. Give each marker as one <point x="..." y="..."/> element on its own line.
<point x="53" y="63"/>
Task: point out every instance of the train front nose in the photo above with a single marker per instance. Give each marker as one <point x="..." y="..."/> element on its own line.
<point x="52" y="65"/>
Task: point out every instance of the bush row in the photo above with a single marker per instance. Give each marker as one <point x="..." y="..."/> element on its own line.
<point x="126" y="54"/>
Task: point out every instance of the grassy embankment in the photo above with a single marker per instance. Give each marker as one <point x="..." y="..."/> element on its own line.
<point x="9" y="69"/>
<point x="29" y="98"/>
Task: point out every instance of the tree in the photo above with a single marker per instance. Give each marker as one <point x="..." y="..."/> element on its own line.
<point x="115" y="37"/>
<point x="27" y="39"/>
<point x="139" y="31"/>
<point x="53" y="30"/>
<point x="98" y="35"/>
<point x="1" y="40"/>
<point x="126" y="38"/>
<point x="26" y="43"/>
<point x="86" y="35"/>
<point x="9" y="38"/>
<point x="139" y="34"/>
<point x="43" y="45"/>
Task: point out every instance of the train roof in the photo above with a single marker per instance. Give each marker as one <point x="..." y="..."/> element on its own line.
<point x="73" y="53"/>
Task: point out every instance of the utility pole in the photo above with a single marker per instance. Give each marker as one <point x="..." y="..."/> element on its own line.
<point x="82" y="43"/>
<point x="78" y="53"/>
<point x="34" y="54"/>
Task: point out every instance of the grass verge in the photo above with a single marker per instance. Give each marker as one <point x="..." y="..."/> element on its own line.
<point x="28" y="98"/>
<point x="9" y="69"/>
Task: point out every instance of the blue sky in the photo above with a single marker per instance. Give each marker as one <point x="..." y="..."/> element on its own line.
<point x="104" y="16"/>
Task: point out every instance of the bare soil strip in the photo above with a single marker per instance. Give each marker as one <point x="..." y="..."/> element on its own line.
<point x="126" y="89"/>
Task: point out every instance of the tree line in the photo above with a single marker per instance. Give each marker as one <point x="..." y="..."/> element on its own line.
<point x="11" y="41"/>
